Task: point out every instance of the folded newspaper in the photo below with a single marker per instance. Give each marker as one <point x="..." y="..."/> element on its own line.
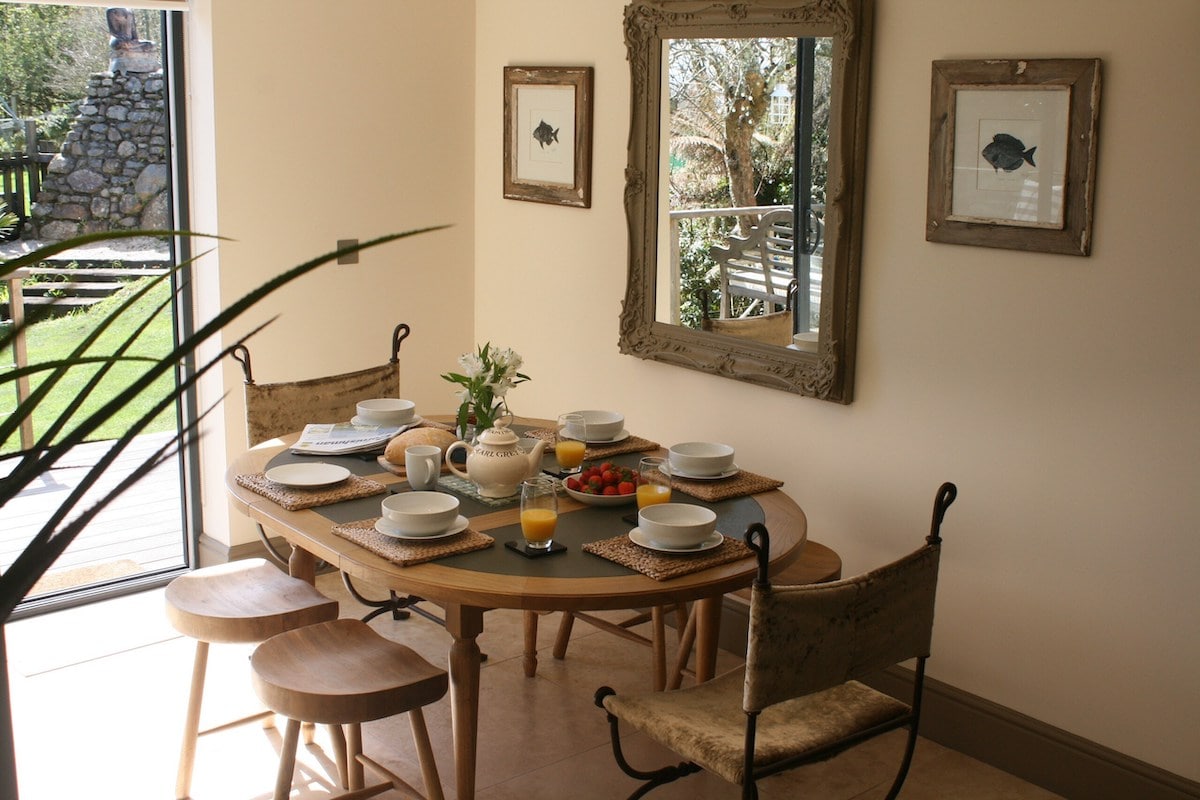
<point x="344" y="437"/>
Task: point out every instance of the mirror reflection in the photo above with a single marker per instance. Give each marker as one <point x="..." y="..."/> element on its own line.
<point x="744" y="188"/>
<point x="745" y="142"/>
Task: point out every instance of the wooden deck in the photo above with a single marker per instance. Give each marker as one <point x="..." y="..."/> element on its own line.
<point x="140" y="532"/>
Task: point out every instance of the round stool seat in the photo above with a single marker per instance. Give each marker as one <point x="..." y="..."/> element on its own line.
<point x="342" y="672"/>
<point x="243" y="601"/>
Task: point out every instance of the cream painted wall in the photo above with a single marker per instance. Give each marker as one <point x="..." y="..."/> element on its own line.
<point x="331" y="123"/>
<point x="1059" y="393"/>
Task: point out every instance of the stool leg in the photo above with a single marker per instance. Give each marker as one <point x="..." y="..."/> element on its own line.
<point x="686" y="641"/>
<point x="429" y="772"/>
<point x="191" y="725"/>
<point x="353" y="751"/>
<point x="338" y="738"/>
<point x="287" y="760"/>
<point x="564" y="635"/>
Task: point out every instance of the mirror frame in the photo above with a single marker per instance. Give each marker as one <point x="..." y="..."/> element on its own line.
<point x="827" y="374"/>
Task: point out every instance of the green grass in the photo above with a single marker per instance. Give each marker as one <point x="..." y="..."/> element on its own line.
<point x="57" y="338"/>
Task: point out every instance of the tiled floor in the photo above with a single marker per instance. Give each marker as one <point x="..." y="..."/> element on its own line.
<point x="99" y="695"/>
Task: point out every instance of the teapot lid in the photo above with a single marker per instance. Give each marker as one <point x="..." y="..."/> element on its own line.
<point x="499" y="434"/>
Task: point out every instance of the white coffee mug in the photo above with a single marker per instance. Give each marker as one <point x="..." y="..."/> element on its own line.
<point x="422" y="463"/>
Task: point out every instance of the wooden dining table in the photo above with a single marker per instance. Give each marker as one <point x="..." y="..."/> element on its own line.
<point x="467" y="585"/>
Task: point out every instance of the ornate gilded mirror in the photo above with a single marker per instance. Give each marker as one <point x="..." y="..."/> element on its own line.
<point x="793" y="263"/>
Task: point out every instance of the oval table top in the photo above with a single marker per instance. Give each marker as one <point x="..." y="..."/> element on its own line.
<point x="527" y="586"/>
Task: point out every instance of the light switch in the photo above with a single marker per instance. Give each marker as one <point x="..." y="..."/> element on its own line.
<point x="351" y="258"/>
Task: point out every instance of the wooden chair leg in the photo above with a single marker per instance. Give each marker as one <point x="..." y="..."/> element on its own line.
<point x="191" y="725"/>
<point x="287" y="760"/>
<point x="337" y="738"/>
<point x="564" y="635"/>
<point x="429" y="771"/>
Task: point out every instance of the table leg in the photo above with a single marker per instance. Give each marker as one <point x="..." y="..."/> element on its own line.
<point x="464" y="623"/>
<point x="529" y="660"/>
<point x="708" y="632"/>
<point x="302" y="564"/>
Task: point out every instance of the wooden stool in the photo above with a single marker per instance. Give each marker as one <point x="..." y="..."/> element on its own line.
<point x="240" y="602"/>
<point x="344" y="673"/>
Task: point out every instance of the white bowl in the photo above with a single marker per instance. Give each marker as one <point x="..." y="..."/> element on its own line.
<point x="602" y="426"/>
<point x="701" y="458"/>
<point x="386" y="411"/>
<point x="421" y="513"/>
<point x="677" y="524"/>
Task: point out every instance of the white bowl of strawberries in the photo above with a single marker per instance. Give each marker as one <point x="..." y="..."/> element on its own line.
<point x="605" y="484"/>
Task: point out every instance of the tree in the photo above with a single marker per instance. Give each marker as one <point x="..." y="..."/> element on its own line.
<point x="720" y="91"/>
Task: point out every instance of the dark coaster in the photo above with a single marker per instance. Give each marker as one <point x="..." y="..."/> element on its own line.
<point x="518" y="546"/>
<point x="632" y="519"/>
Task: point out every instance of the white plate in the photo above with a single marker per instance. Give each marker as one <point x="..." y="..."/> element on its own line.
<point x="308" y="475"/>
<point x="598" y="499"/>
<point x="384" y="526"/>
<point x="637" y="537"/>
<point x="729" y="473"/>
<point x="620" y="437"/>
<point x="412" y="423"/>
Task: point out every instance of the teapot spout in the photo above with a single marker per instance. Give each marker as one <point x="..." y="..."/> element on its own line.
<point x="535" y="458"/>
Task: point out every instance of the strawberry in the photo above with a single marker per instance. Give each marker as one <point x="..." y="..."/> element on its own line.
<point x="626" y="487"/>
<point x="610" y="490"/>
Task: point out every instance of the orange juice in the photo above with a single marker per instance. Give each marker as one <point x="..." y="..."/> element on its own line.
<point x="537" y="524"/>
<point x="649" y="494"/>
<point x="569" y="453"/>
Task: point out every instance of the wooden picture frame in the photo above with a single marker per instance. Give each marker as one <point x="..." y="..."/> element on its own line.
<point x="1012" y="154"/>
<point x="548" y="135"/>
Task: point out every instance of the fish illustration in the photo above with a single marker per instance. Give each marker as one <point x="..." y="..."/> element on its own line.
<point x="545" y="134"/>
<point x="1006" y="153"/>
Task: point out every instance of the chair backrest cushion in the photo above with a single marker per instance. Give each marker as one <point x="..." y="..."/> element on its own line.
<point x="804" y="639"/>
<point x="772" y="328"/>
<point x="273" y="409"/>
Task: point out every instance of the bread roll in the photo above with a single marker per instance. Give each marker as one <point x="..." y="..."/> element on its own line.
<point x="434" y="436"/>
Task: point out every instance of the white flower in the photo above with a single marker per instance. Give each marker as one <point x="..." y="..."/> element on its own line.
<point x="472" y="364"/>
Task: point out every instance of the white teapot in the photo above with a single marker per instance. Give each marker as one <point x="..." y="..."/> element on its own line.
<point x="497" y="465"/>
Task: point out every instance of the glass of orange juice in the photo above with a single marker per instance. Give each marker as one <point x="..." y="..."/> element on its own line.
<point x="654" y="481"/>
<point x="570" y="442"/>
<point x="539" y="512"/>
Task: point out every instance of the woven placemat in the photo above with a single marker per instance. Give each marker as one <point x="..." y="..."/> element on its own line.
<point x="466" y="488"/>
<point x="407" y="552"/>
<point x="741" y="485"/>
<point x="294" y="499"/>
<point x="664" y="566"/>
<point x="634" y="444"/>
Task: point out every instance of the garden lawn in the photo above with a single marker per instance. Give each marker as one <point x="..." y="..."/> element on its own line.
<point x="54" y="339"/>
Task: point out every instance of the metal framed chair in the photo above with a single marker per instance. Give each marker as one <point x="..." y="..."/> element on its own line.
<point x="274" y="409"/>
<point x="773" y="327"/>
<point x="798" y="699"/>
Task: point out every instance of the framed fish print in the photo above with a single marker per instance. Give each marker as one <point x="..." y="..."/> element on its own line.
<point x="1012" y="154"/>
<point x="548" y="135"/>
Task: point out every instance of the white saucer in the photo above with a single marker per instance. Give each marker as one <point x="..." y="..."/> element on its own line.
<point x="620" y="437"/>
<point x="384" y="526"/>
<point x="307" y="476"/>
<point x="688" y="476"/>
<point x="637" y="537"/>
<point x="416" y="420"/>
